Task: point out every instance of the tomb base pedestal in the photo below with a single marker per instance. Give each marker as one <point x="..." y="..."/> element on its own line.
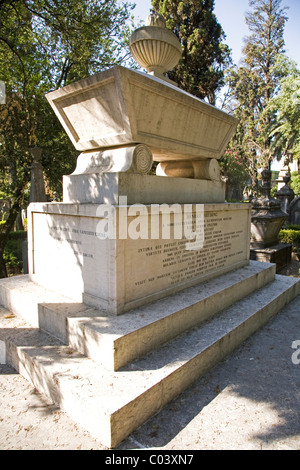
<point x="116" y="258"/>
<point x="107" y="188"/>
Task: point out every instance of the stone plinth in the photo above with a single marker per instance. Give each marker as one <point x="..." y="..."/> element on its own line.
<point x="107" y="188"/>
<point x="165" y="252"/>
<point x="149" y="252"/>
<point x="122" y="238"/>
<point x="286" y="194"/>
<point x="266" y="225"/>
<point x="294" y="215"/>
<point x="267" y="217"/>
<point x="130" y="264"/>
<point x="279" y="254"/>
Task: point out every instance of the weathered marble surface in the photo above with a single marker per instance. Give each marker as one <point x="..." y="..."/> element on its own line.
<point x="107" y="188"/>
<point x="148" y="254"/>
<point x="121" y="107"/>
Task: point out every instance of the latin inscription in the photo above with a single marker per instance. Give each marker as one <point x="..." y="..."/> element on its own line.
<point x="65" y="234"/>
<point x="172" y="260"/>
<point x="75" y="254"/>
<point x="170" y="263"/>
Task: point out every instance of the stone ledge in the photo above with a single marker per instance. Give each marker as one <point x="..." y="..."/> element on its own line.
<point x="279" y="254"/>
<point x="140" y="189"/>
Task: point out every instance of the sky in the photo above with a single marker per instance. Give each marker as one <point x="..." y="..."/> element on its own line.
<point x="231" y="16"/>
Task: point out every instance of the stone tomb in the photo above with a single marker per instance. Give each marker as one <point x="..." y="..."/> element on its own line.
<point x="154" y="251"/>
<point x="166" y="251"/>
<point x="294" y="209"/>
<point x="123" y="238"/>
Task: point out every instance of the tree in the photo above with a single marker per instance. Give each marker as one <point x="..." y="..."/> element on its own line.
<point x="233" y="167"/>
<point x="205" y="57"/>
<point x="256" y="81"/>
<point x="285" y="108"/>
<point x="46" y="44"/>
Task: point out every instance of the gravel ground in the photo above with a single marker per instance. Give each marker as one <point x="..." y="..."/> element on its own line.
<point x="249" y="401"/>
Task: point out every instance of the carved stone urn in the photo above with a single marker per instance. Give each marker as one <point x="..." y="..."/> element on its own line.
<point x="267" y="217"/>
<point x="154" y="47"/>
<point x="285" y="193"/>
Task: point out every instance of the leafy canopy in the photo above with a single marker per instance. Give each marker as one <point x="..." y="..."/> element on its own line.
<point x="285" y="107"/>
<point x="44" y="45"/>
<point x="256" y="81"/>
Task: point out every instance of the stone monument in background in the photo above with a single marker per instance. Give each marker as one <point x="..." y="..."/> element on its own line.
<point x="37" y="193"/>
<point x="37" y="183"/>
<point x="285" y="193"/>
<point x="267" y="220"/>
<point x="139" y="282"/>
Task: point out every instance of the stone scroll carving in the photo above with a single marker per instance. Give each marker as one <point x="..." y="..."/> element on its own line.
<point x="133" y="159"/>
<point x="206" y="169"/>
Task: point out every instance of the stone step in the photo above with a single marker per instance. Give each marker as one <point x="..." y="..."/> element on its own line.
<point x="113" y="341"/>
<point x="26" y="299"/>
<point x="110" y="405"/>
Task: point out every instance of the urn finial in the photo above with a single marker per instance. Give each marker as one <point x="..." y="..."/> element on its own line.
<point x="155" y="19"/>
<point x="155" y="48"/>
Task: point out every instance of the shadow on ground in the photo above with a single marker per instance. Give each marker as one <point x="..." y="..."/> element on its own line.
<point x="250" y="400"/>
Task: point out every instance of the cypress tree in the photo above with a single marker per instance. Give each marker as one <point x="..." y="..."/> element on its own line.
<point x="205" y="56"/>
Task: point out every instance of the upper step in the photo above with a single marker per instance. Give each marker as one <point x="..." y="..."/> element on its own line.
<point x="113" y="341"/>
<point x="24" y="297"/>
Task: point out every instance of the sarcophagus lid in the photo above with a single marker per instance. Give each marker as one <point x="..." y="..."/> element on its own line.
<point x="121" y="107"/>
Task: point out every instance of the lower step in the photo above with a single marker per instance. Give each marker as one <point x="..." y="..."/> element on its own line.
<point x="110" y="405"/>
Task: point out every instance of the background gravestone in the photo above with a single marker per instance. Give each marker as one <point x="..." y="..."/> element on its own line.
<point x="37" y="188"/>
<point x="294" y="211"/>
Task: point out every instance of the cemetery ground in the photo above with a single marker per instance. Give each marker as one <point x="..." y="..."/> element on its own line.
<point x="251" y="400"/>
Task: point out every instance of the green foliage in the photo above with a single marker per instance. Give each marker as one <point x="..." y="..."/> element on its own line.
<point x="274" y="191"/>
<point x="205" y="56"/>
<point x="44" y="45"/>
<point x="13" y="250"/>
<point x="293" y="227"/>
<point x="233" y="167"/>
<point x="11" y="260"/>
<point x="291" y="236"/>
<point x="63" y="41"/>
<point x="285" y="106"/>
<point x="17" y="235"/>
<point x="256" y="81"/>
<point x="295" y="183"/>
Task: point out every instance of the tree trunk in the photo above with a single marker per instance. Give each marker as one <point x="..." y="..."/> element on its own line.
<point x="6" y="229"/>
<point x="3" y="271"/>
